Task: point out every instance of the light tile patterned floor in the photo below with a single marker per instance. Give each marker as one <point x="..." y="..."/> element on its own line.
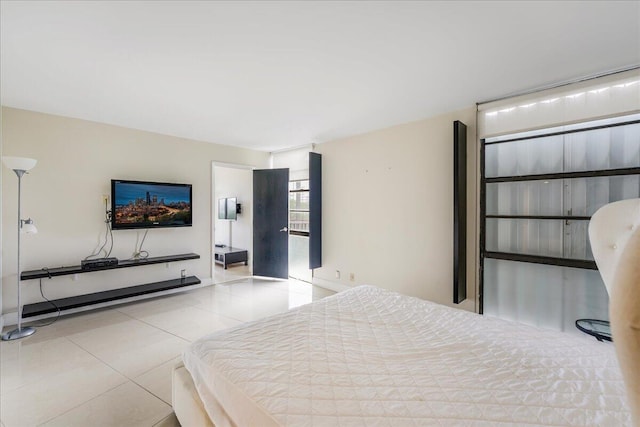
<point x="232" y="272"/>
<point x="112" y="367"/>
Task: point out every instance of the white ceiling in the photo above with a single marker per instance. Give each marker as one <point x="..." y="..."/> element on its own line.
<point x="271" y="75"/>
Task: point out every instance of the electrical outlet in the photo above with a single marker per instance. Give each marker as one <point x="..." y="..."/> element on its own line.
<point x="183" y="273"/>
<point x="337" y="274"/>
<point x="352" y="277"/>
<point x="105" y="198"/>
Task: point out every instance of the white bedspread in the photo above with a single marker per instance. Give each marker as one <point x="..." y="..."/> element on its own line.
<point x="370" y="357"/>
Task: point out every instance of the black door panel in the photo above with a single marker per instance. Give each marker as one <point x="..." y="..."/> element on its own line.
<point x="270" y="223"/>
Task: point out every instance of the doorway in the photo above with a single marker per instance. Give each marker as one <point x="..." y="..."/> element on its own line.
<point x="244" y="211"/>
<point x="231" y="222"/>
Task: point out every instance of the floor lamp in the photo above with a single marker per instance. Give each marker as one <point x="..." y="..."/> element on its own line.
<point x="20" y="165"/>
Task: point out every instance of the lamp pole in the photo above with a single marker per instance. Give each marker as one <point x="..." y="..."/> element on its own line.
<point x="19" y="173"/>
<point x="20" y="332"/>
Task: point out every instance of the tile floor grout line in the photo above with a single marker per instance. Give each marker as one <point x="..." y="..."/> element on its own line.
<point x="154" y="367"/>
<point x="158" y="328"/>
<point x="223" y="296"/>
<point x="113" y="367"/>
<point x="217" y="313"/>
<point x="173" y="413"/>
<point x="99" y="359"/>
<point x="151" y="369"/>
<point x="80" y="404"/>
<point x="186" y="303"/>
<point x="67" y="339"/>
<point x="151" y="392"/>
<point x="107" y="391"/>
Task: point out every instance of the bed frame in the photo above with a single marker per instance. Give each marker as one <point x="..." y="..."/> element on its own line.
<point x="615" y="237"/>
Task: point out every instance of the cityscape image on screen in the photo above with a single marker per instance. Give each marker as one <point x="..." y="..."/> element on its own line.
<point x="142" y="204"/>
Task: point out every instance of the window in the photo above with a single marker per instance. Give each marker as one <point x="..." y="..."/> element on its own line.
<point x="299" y="207"/>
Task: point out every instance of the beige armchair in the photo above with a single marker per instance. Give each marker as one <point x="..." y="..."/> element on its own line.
<point x="614" y="232"/>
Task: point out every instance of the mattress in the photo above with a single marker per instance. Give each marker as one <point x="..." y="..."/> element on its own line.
<point x="371" y="357"/>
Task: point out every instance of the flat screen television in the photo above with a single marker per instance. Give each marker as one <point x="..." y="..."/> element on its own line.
<point x="232" y="214"/>
<point x="228" y="208"/>
<point x="222" y="208"/>
<point x="143" y="204"/>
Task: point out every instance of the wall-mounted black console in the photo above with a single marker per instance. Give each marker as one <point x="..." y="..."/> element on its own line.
<point x="65" y="271"/>
<point x="30" y="310"/>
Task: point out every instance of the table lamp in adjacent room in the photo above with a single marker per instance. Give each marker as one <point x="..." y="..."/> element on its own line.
<point x="20" y="165"/>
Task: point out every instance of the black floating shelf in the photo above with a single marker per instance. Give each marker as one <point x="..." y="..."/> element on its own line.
<point x="30" y="310"/>
<point x="64" y="271"/>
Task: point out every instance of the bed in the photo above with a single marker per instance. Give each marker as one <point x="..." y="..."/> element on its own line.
<point x="371" y="357"/>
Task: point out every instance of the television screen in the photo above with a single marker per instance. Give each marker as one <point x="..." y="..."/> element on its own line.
<point x="231" y="208"/>
<point x="139" y="204"/>
<point x="227" y="208"/>
<point x="222" y="208"/>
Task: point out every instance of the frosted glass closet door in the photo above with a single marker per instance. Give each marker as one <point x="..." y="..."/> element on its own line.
<point x="544" y="220"/>
<point x="543" y="295"/>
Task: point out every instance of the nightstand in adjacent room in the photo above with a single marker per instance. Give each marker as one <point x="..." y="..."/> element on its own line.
<point x="229" y="255"/>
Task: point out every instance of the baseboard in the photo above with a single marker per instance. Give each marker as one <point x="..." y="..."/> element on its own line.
<point x="328" y="284"/>
<point x="12" y="317"/>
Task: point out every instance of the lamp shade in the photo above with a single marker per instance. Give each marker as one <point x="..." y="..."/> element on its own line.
<point x="19" y="163"/>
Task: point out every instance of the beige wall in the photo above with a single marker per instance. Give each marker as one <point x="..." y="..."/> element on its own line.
<point x="387" y="212"/>
<point x="63" y="194"/>
<point x="388" y="209"/>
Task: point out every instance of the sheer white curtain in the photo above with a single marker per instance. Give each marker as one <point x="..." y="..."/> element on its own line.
<point x="551" y="295"/>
